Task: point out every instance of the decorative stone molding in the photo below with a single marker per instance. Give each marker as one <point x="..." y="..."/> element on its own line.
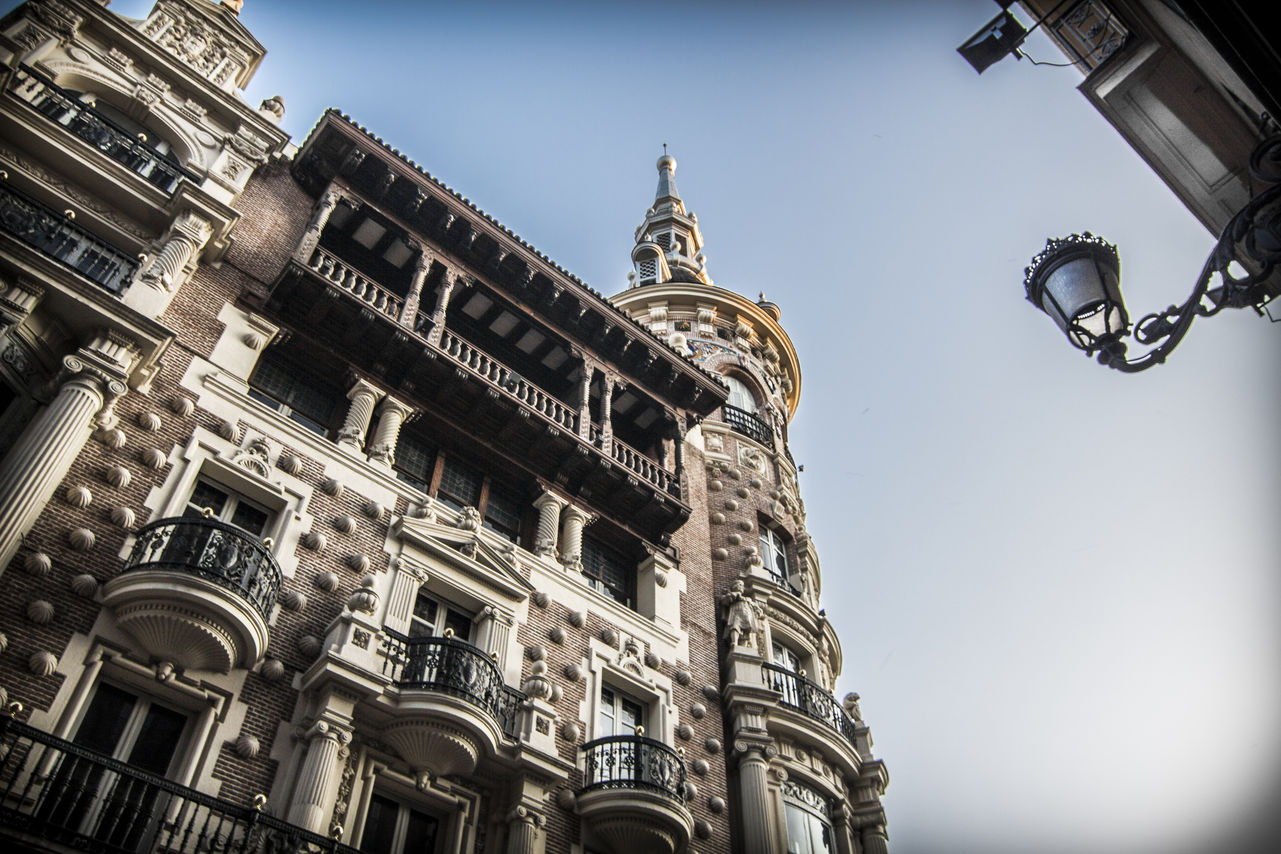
<point x="374" y="510"/>
<point x="247" y="746"/>
<point x="78" y="496"/>
<point x="364" y="599"/>
<point x="541" y="598"/>
<point x="685" y="732"/>
<point x="294" y="600"/>
<point x="289" y="464"/>
<point x="577" y="619"/>
<point x="698" y="711"/>
<point x="182" y="406"/>
<point x="556" y="635"/>
<point x="153" y="458"/>
<point x="682" y="676"/>
<point x="309" y="646"/>
<point x="327" y="581"/>
<point x="315" y="541"/>
<point x="573" y="672"/>
<point x="345" y="524"/>
<point x="358" y="563"/>
<point x="331" y="487"/>
<point x="272" y="669"/>
<point x="149" y="421"/>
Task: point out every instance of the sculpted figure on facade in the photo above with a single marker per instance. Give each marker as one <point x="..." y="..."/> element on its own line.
<point x="742" y="616"/>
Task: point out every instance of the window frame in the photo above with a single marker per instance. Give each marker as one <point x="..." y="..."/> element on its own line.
<point x="624" y="594"/>
<point x="441" y="621"/>
<point x="273" y="359"/>
<point x="816" y="818"/>
<point x="774" y="545"/>
<point x="618" y="702"/>
<point x="400" y="841"/>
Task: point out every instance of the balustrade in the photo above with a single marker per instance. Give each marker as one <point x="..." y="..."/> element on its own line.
<point x="749" y="424"/>
<point x="77" y="798"/>
<point x="633" y="762"/>
<point x="810" y="698"/>
<point x="355" y="283"/>
<point x="64" y="108"/>
<point x="56" y="235"/>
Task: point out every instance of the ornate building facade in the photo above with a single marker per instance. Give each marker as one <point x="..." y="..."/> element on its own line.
<point x="336" y="517"/>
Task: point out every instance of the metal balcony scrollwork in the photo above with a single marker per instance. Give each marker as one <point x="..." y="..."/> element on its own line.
<point x="750" y="425"/>
<point x="451" y="667"/>
<point x="55" y="234"/>
<point x="68" y="795"/>
<point x="216" y="551"/>
<point x="809" y="698"/>
<point x="65" y="109"/>
<point x="633" y="762"/>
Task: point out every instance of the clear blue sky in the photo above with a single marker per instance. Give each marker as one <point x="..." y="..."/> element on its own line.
<point x="1057" y="586"/>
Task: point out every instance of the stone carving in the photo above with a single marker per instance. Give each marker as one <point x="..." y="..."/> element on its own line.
<point x="364" y="598"/>
<point x="79" y="496"/>
<point x="42" y="663"/>
<point x="698" y="711"/>
<point x="742" y="616"/>
<point x="576" y="619"/>
<point x="309" y="646"/>
<point x="81" y="539"/>
<point x="123" y="517"/>
<point x="685" y="731"/>
<point x="182" y="406"/>
<point x="119" y="476"/>
<point x="537" y="685"/>
<point x="255" y="456"/>
<point x="326" y="581"/>
<point x="556" y="635"/>
<point x="569" y="731"/>
<point x="38" y="564"/>
<point x="683" y="676"/>
<point x="345" y="524"/>
<point x="153" y="458"/>
<point x="187" y="36"/>
<point x="374" y="510"/>
<point x="149" y="421"/>
<point x="272" y="669"/>
<point x="84" y="585"/>
<point x="850" y="705"/>
<point x="247" y="746"/>
<point x="289" y="463"/>
<point x="330" y="486"/>
<point x="713" y="745"/>
<point x="294" y="600"/>
<point x="229" y="430"/>
<point x="40" y="611"/>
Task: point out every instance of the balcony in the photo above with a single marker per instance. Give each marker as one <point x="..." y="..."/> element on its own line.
<point x="56" y="795"/>
<point x="197" y="592"/>
<point x="747" y="423"/>
<point x="57" y="236"/>
<point x="633" y="795"/>
<point x="90" y="125"/>
<point x="452" y="704"/>
<point x="811" y="699"/>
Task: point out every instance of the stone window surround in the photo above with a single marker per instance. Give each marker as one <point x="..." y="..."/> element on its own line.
<point x="783" y="769"/>
<point x="457" y="806"/>
<point x="655" y="693"/>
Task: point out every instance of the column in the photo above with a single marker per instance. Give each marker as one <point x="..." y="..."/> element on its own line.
<point x="39" y="460"/>
<point x="606" y="405"/>
<point x="442" y="303"/>
<point x="363" y="396"/>
<point x="391" y="414"/>
<point x="757" y="809"/>
<point x="188" y="234"/>
<point x="585" y="373"/>
<point x="523" y="824"/>
<point x="313" y="798"/>
<point x="409" y="314"/>
<point x="875" y="840"/>
<point x="319" y="219"/>
<point x="571" y="537"/>
<point x="18" y="298"/>
<point x="549" y="506"/>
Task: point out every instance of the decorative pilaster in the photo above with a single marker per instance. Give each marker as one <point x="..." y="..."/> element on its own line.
<point x="442" y="303"/>
<point x="571" y="536"/>
<point x="549" y="506"/>
<point x="523" y="824"/>
<point x="493" y="631"/>
<point x="41" y="457"/>
<point x="409" y="313"/>
<point x="756" y="812"/>
<point x="319" y="219"/>
<point x="363" y="396"/>
<point x="317" y="784"/>
<point x="391" y="415"/>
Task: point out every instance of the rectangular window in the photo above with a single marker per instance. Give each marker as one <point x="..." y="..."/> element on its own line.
<point x="395" y="828"/>
<point x="434" y="618"/>
<point x="460" y="485"/>
<point x="503" y="513"/>
<point x="284" y="387"/>
<point x="774" y="556"/>
<point x="609" y="572"/>
<point x="415" y="460"/>
<point x="620" y="714"/>
<point x="227" y="505"/>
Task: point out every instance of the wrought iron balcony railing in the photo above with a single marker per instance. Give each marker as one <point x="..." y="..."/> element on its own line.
<point x="633" y="762"/>
<point x="216" y="551"/>
<point x="451" y="667"/>
<point x="64" y="794"/>
<point x="742" y="421"/>
<point x="57" y="236"/>
<point x="809" y="698"/>
<point x="64" y="108"/>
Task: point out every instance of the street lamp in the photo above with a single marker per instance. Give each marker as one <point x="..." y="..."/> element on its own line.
<point x="1076" y="280"/>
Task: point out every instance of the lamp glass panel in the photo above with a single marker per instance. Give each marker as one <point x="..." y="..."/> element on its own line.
<point x="1074" y="287"/>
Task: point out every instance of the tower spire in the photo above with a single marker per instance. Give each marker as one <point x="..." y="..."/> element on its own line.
<point x="669" y="246"/>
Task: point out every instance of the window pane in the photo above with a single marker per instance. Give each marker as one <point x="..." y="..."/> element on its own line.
<point x="206" y="495"/>
<point x="157" y="740"/>
<point x="250" y="518"/>
<point x="798" y="832"/>
<point x="459" y="622"/>
<point x="105" y="719"/>
<point x="380" y="826"/>
<point x="414" y="460"/>
<point x="502" y="514"/>
<point x="420" y="834"/>
<point x="423" y="622"/>
<point x="612" y="572"/>
<point x="459" y="485"/>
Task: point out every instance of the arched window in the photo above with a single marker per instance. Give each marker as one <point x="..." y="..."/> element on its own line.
<point x="809" y="820"/>
<point x="740" y="395"/>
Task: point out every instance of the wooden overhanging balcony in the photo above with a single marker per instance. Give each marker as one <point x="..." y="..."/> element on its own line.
<point x="59" y="796"/>
<point x="65" y="109"/>
<point x="325" y="296"/>
<point x="197" y="592"/>
<point x="56" y="235"/>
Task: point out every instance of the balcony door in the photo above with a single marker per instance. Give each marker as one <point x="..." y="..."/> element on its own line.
<point x="89" y="799"/>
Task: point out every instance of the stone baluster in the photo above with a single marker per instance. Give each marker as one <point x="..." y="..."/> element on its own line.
<point x="549" y="506"/>
<point x="442" y="303"/>
<point x="363" y="396"/>
<point x="409" y="313"/>
<point x="43" y="454"/>
<point x="319" y="219"/>
<point x="317" y="785"/>
<point x="523" y="824"/>
<point x="391" y="415"/>
<point x="756" y="811"/>
<point x="573" y="520"/>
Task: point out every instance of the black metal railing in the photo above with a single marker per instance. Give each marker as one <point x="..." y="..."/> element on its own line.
<point x="809" y="698"/>
<point x="224" y="554"/>
<point x="747" y="423"/>
<point x="452" y="667"/>
<point x="66" y="795"/>
<point x="633" y="762"/>
<point x="64" y="108"/>
<point x="782" y="581"/>
<point x="56" y="235"/>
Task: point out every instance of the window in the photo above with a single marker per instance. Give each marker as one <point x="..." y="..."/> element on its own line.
<point x="503" y="513"/>
<point x="609" y="571"/>
<point x="284" y="387"/>
<point x="786" y="659"/>
<point x="434" y="618"/>
<point x="809" y="827"/>
<point x="103" y="804"/>
<point x="395" y="828"/>
<point x="619" y="713"/>
<point x="228" y="506"/>
<point x="740" y="395"/>
<point x="415" y="461"/>
<point x="460" y="485"/>
<point x="774" y="556"/>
